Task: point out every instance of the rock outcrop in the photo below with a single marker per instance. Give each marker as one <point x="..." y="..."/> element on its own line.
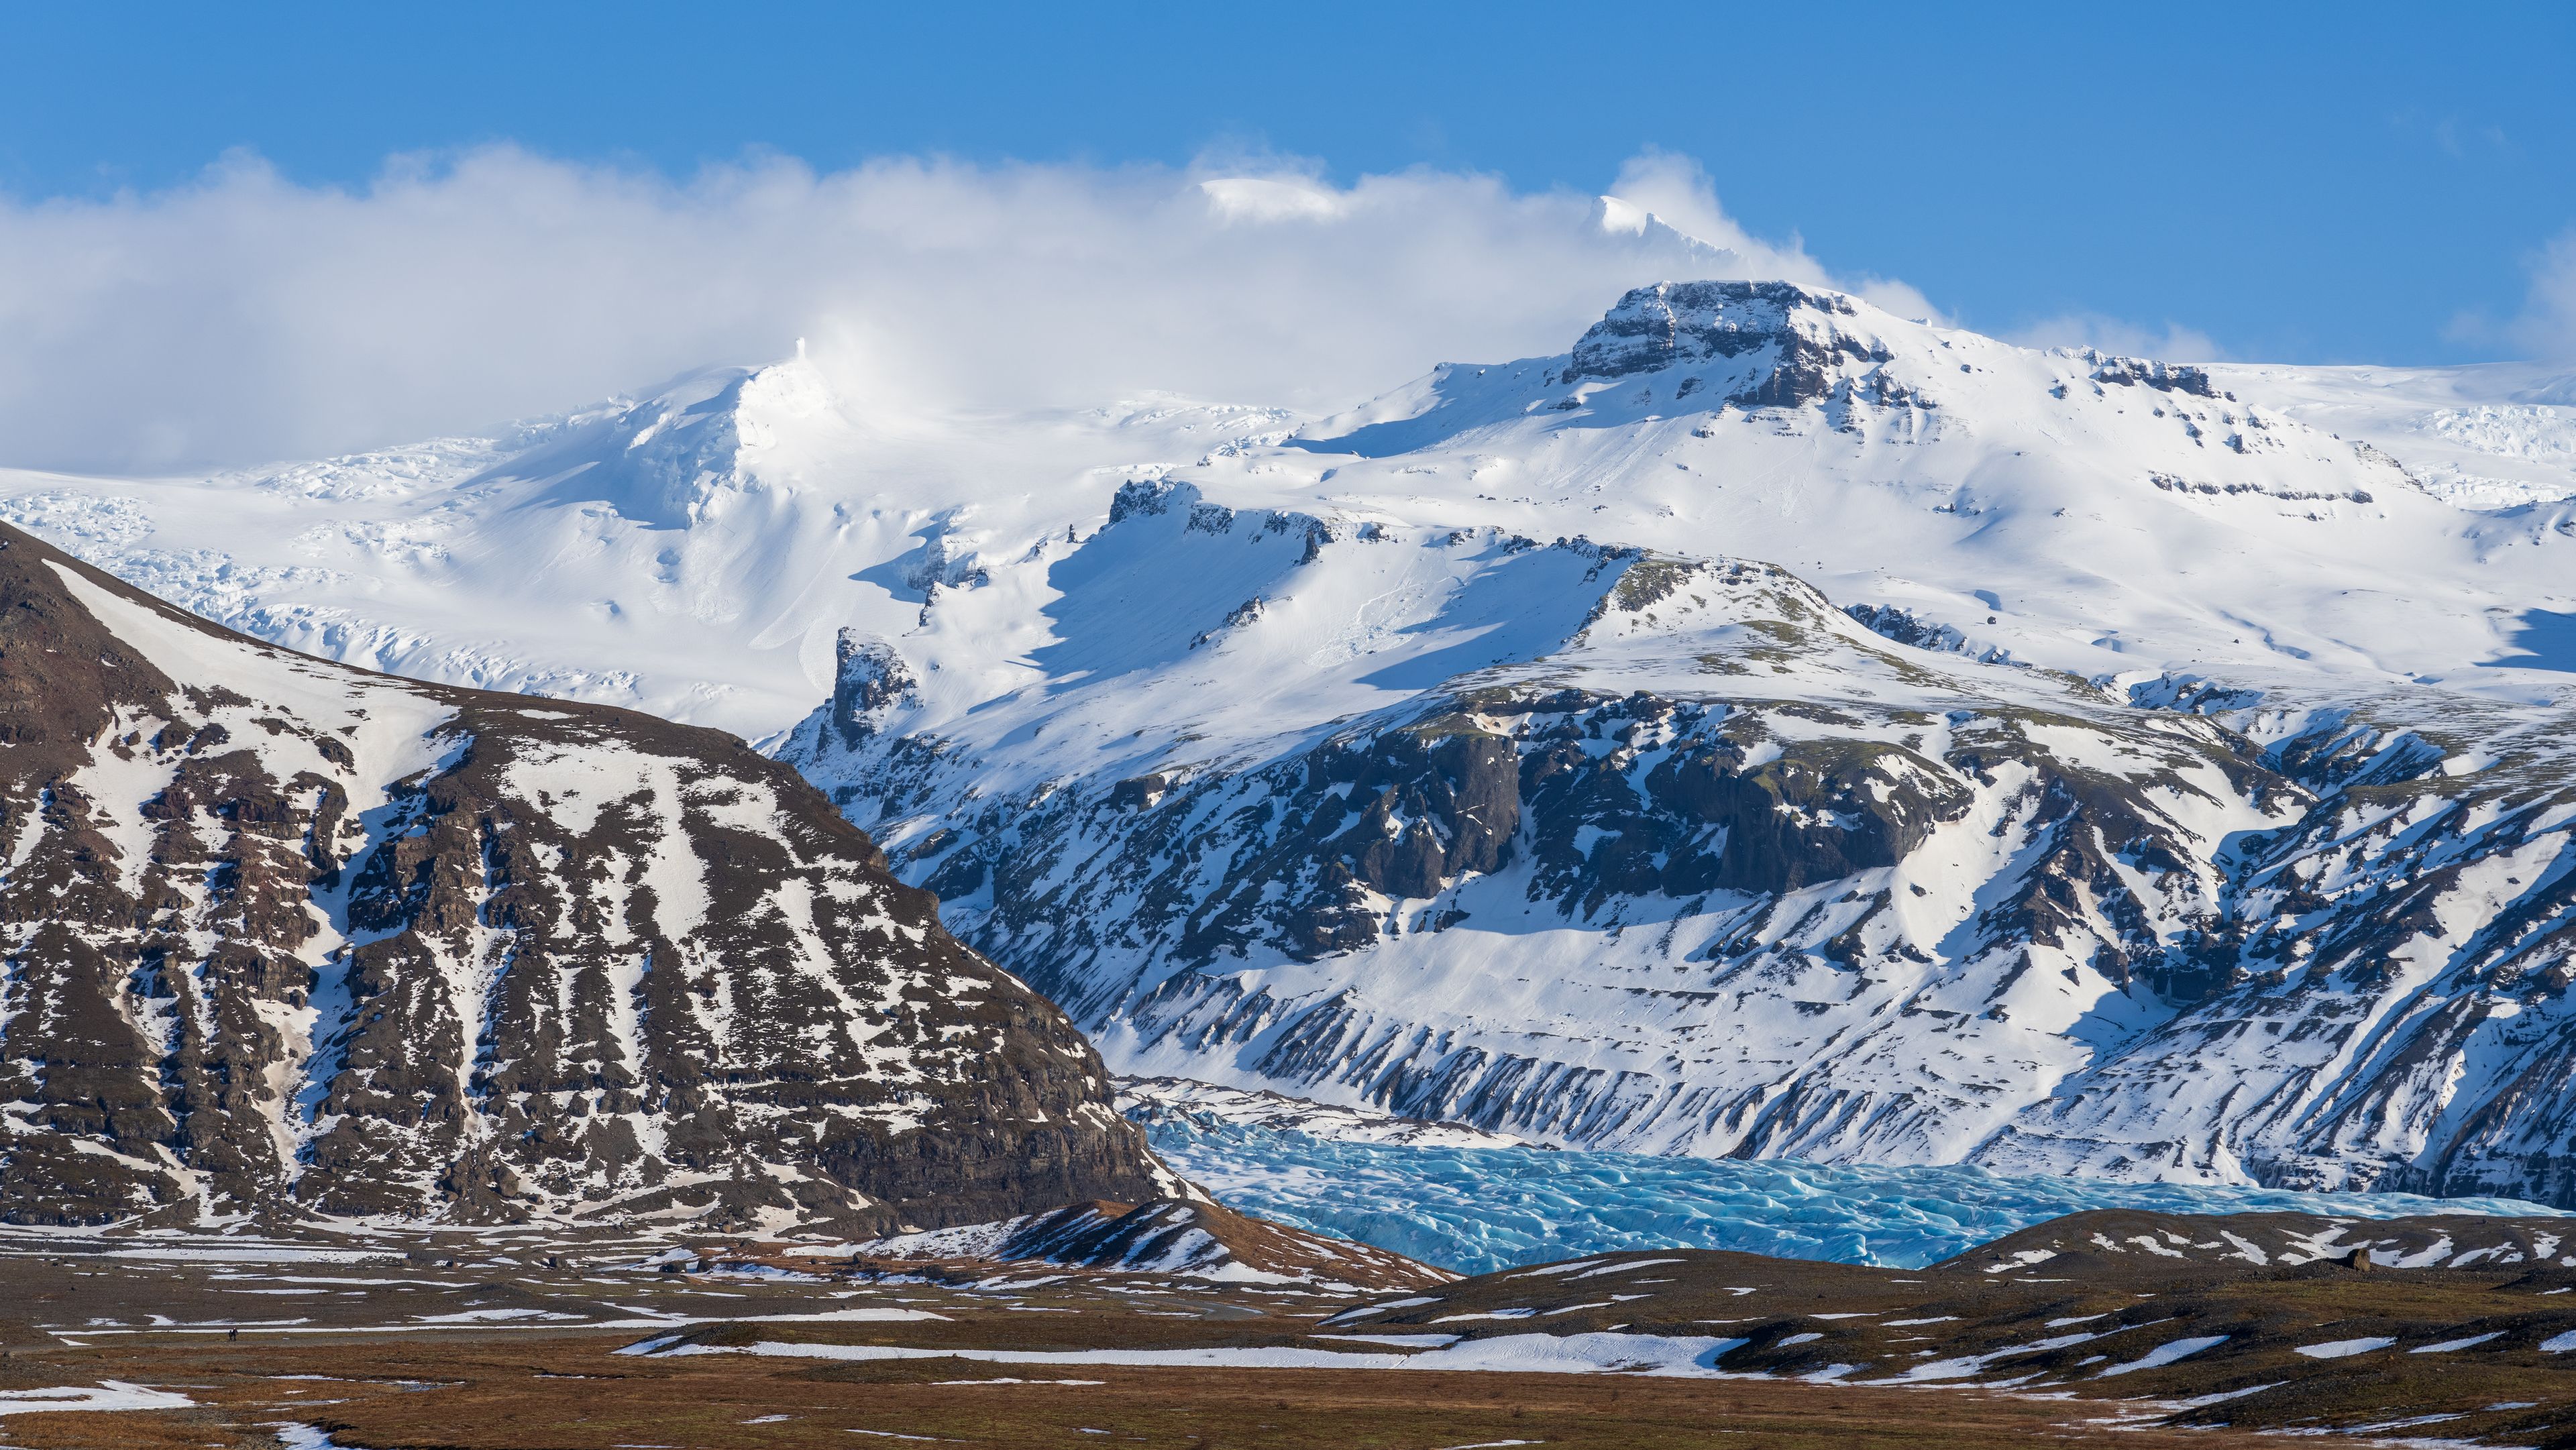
<point x="1772" y="344"/>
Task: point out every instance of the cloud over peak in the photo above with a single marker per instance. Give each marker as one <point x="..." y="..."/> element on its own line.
<point x="246" y="317"/>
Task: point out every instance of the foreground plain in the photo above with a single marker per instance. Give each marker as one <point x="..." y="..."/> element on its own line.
<point x="2142" y="1330"/>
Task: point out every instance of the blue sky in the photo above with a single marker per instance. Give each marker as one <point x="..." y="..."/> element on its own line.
<point x="2296" y="182"/>
<point x="230" y="234"/>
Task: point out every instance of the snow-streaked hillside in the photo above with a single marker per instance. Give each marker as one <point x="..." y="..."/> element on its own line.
<point x="1772" y="727"/>
<point x="296" y="942"/>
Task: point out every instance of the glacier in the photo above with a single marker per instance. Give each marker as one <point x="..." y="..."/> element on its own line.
<point x="1475" y="1210"/>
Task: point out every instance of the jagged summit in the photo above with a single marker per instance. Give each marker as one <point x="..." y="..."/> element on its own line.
<point x="1809" y="330"/>
<point x="1677" y="323"/>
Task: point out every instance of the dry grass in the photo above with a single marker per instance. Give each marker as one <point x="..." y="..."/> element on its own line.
<point x="573" y="1393"/>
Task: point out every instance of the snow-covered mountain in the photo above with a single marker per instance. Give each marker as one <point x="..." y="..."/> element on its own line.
<point x="290" y="940"/>
<point x="695" y="551"/>
<point x="2158" y="785"/>
<point x="1771" y="727"/>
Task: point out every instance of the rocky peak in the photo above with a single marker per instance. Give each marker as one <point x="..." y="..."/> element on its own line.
<point x="870" y="681"/>
<point x="1766" y="344"/>
<point x="2131" y="372"/>
<point x="1673" y="323"/>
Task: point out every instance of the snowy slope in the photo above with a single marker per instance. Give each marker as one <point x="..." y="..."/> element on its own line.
<point x="2486" y="438"/>
<point x="690" y="553"/>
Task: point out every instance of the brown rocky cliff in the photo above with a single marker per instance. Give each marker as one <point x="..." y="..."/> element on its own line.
<point x="287" y="937"/>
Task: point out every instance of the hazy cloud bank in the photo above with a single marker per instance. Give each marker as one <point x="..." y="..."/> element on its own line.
<point x="2547" y="328"/>
<point x="2172" y="343"/>
<point x="246" y="318"/>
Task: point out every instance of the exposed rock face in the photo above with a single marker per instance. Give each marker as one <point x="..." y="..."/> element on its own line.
<point x="284" y="937"/>
<point x="2392" y="997"/>
<point x="1392" y="816"/>
<point x="1787" y="341"/>
<point x="2128" y="372"/>
<point x="1905" y="627"/>
<point x="869" y="680"/>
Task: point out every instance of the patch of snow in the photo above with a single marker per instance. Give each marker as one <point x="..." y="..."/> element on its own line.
<point x="2343" y="1348"/>
<point x="106" y="1395"/>
<point x="2167" y="1353"/>
<point x="1594" y="1353"/>
<point x="2449" y="1345"/>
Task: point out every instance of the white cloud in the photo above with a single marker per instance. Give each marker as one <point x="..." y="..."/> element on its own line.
<point x="2547" y="327"/>
<point x="245" y="317"/>
<point x="1677" y="190"/>
<point x="2172" y="343"/>
<point x="1274" y="199"/>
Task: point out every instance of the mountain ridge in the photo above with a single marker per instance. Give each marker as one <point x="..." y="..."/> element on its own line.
<point x="292" y="940"/>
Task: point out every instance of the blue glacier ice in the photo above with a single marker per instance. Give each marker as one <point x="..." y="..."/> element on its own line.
<point x="1480" y="1209"/>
